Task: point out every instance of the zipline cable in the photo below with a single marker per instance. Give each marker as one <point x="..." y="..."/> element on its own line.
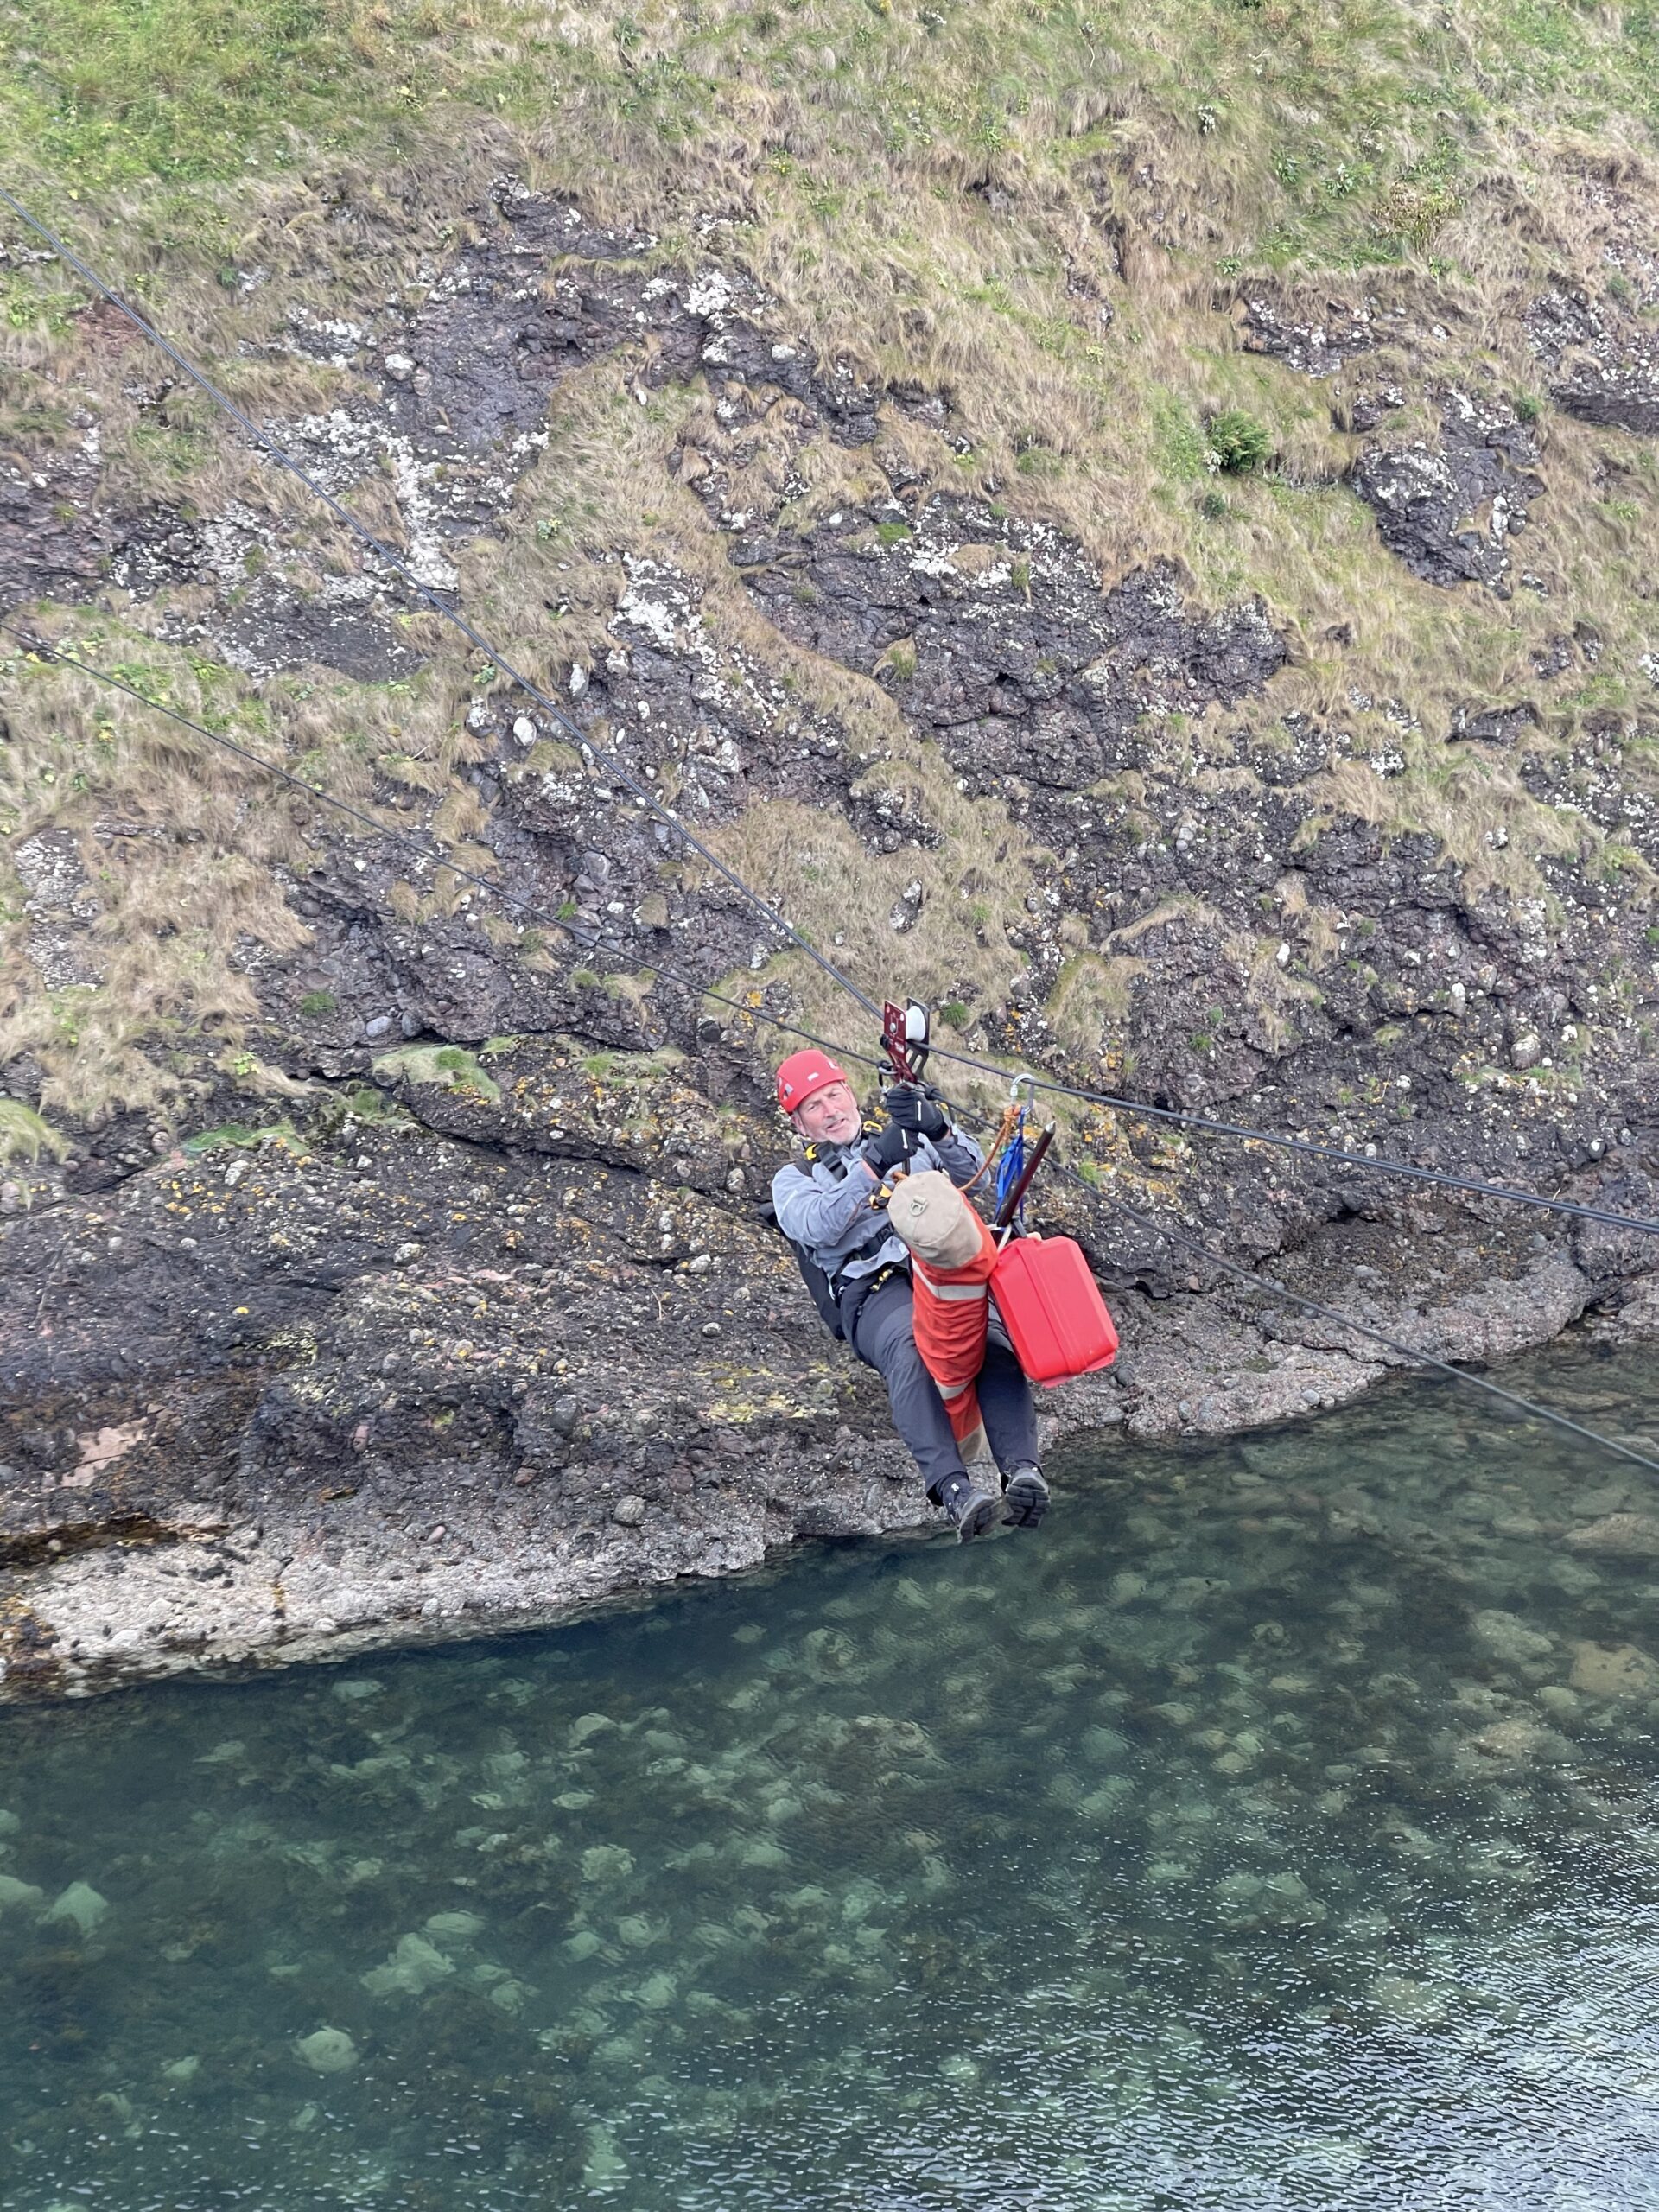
<point x="617" y="769"/>
<point x="1135" y="1107"/>
<point x="1441" y="1177"/>
<point x="1415" y="1353"/>
<point x="1146" y="1221"/>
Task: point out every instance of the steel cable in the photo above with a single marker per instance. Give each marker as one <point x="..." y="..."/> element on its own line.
<point x="45" y="651"/>
<point x="1146" y="1221"/>
<point x="1138" y="1107"/>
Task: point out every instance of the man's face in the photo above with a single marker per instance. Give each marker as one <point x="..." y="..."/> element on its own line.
<point x="829" y="1115"/>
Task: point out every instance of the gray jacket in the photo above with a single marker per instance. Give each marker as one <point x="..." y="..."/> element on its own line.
<point x="824" y="1203"/>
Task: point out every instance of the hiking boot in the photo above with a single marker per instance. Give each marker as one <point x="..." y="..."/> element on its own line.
<point x="969" y="1510"/>
<point x="1026" y="1494"/>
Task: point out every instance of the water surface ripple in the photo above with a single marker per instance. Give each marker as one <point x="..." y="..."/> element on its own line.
<point x="1273" y="1829"/>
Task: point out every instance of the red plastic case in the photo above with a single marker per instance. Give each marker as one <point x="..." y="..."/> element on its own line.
<point x="1051" y="1307"/>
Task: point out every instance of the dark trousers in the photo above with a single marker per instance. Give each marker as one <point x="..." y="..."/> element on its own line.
<point x="879" y="1329"/>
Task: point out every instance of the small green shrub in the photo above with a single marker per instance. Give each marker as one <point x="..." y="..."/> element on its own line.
<point x="234" y="1136"/>
<point x="316" y="1004"/>
<point x="955" y="1012"/>
<point x="1239" y="443"/>
<point x="371" y="1105"/>
<point x="1039" y="460"/>
<point x="1527" y="407"/>
<point x="893" y="533"/>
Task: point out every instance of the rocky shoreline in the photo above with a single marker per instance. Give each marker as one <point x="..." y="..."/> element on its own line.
<point x="380" y="1382"/>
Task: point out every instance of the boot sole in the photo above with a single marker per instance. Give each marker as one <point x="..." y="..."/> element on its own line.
<point x="1026" y="1506"/>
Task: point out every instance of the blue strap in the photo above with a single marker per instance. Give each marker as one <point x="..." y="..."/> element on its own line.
<point x="1012" y="1166"/>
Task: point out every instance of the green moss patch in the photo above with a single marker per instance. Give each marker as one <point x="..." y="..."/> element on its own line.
<point x="448" y="1064"/>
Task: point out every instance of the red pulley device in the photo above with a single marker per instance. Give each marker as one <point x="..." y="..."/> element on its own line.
<point x="1053" y="1310"/>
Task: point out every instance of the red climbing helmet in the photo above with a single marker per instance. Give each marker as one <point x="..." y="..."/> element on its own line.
<point x="802" y="1073"/>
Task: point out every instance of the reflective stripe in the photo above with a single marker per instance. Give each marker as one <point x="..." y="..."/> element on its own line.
<point x="959" y="1290"/>
<point x="952" y="1389"/>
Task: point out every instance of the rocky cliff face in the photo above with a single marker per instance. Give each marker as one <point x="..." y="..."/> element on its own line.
<point x="416" y="1278"/>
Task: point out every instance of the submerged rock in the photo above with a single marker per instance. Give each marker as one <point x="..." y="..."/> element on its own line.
<point x="454" y="1927"/>
<point x="1508" y="1637"/>
<point x="607" y="1862"/>
<point x="1614" y="1670"/>
<point x="1413" y="2004"/>
<point x="413" y="1967"/>
<point x="1621" y="1535"/>
<point x="82" y="1904"/>
<point x="327" y="2050"/>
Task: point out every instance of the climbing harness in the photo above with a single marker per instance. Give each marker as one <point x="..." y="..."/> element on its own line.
<point x="828" y="1288"/>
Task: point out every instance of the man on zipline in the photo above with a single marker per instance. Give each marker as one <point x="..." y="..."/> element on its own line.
<point x="824" y="1208"/>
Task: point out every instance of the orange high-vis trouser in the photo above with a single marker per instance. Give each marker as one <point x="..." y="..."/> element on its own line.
<point x="950" y="1315"/>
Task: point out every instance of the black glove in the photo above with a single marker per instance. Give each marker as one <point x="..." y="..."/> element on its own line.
<point x="910" y="1106"/>
<point x="890" y="1149"/>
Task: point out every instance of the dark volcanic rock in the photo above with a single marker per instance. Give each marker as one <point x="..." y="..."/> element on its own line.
<point x="332" y="635"/>
<point x="378" y="1382"/>
<point x="485" y="1324"/>
<point x="996" y="637"/>
<point x="1449" y="513"/>
<point x="1603" y="364"/>
<point x="1493" y="725"/>
<point x="1317" y="341"/>
<point x="47" y="550"/>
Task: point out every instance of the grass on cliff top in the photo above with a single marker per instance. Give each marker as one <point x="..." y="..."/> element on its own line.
<point x="1344" y="126"/>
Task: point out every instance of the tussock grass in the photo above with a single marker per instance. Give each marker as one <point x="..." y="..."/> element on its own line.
<point x="25" y="1135"/>
<point x="178" y="842"/>
<point x="827" y="881"/>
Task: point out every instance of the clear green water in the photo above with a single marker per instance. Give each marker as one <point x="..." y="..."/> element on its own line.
<point x="1239" y="1841"/>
